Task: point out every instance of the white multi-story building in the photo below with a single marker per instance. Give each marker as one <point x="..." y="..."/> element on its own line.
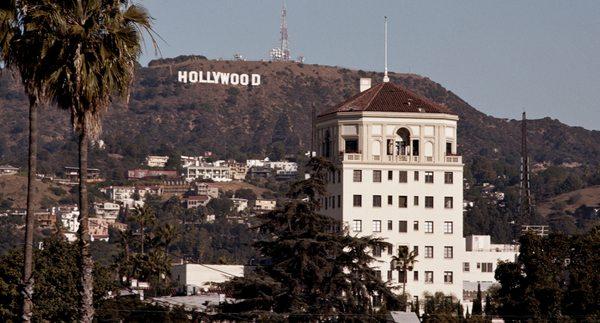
<point x="399" y="178"/>
<point x="69" y="220"/>
<point x="480" y="262"/>
<point x="208" y="171"/>
<point x="107" y="210"/>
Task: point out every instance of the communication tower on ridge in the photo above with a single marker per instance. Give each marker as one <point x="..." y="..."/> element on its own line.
<point x="282" y="53"/>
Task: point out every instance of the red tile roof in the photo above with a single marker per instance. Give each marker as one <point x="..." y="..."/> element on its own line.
<point x="388" y="97"/>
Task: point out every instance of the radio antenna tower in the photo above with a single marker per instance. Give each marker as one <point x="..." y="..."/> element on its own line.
<point x="525" y="191"/>
<point x="285" y="50"/>
<point x="385" y="50"/>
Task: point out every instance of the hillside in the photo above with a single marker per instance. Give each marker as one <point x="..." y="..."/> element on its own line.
<point x="571" y="201"/>
<point x="167" y="117"/>
<point x="13" y="193"/>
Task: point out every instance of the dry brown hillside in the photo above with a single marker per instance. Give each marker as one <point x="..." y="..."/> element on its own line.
<point x="167" y="117"/>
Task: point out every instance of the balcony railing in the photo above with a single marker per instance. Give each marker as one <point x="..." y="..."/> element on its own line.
<point x="401" y="159"/>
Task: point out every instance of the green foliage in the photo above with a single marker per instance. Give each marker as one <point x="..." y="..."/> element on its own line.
<point x="56" y="276"/>
<point x="308" y="267"/>
<point x="220" y="206"/>
<point x="554" y="278"/>
<point x="441" y="308"/>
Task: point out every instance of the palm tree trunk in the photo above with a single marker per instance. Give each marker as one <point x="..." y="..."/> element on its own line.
<point x="143" y="237"/>
<point x="86" y="263"/>
<point x="27" y="279"/>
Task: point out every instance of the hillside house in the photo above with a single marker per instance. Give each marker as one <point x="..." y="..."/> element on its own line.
<point x="8" y="170"/>
<point x="194" y="201"/>
<point x="156" y="161"/>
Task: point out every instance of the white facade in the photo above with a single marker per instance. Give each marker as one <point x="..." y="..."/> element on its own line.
<point x="239" y="204"/>
<point x="69" y="220"/>
<point x="156" y="161"/>
<point x="480" y="262"/>
<point x="202" y="276"/>
<point x="123" y="195"/>
<point x="208" y="171"/>
<point x="399" y="179"/>
<point x="107" y="210"/>
<point x="191" y="160"/>
<point x="265" y="205"/>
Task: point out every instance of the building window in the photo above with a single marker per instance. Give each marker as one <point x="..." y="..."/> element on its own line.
<point x="428" y="202"/>
<point x="357" y="225"/>
<point x="416" y="225"/>
<point x="378" y="273"/>
<point x="333" y="202"/>
<point x="389" y="278"/>
<point x="428" y="251"/>
<point x="377" y="251"/>
<point x="376" y="225"/>
<point x="428" y="226"/>
<point x="416" y="276"/>
<point x="428" y="177"/>
<point x="339" y="201"/>
<point x="448" y="202"/>
<point x="416" y="176"/>
<point x="402" y="226"/>
<point x="357" y="175"/>
<point x="466" y="266"/>
<point x="390" y="248"/>
<point x="390" y="175"/>
<point x="402" y="201"/>
<point x="326" y="202"/>
<point x="351" y="146"/>
<point x="448" y="227"/>
<point x="416" y="250"/>
<point x="376" y="200"/>
<point x="448" y="279"/>
<point x="403" y="177"/>
<point x="486" y="267"/>
<point x="448" y="148"/>
<point x="448" y="252"/>
<point x="376" y="176"/>
<point x="390" y="200"/>
<point x="448" y="177"/>
<point x="429" y="277"/>
<point x="390" y="225"/>
<point x="357" y="200"/>
<point x="416" y="201"/>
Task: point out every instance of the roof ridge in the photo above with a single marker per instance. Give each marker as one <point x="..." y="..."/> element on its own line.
<point x="375" y="94"/>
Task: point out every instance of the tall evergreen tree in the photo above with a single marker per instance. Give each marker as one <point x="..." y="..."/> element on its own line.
<point x="477" y="308"/>
<point x="311" y="271"/>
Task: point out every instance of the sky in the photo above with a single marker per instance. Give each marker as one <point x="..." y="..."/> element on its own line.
<point x="503" y="57"/>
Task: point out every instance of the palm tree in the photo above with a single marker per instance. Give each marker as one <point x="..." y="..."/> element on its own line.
<point x="144" y="216"/>
<point x="94" y="49"/>
<point x="21" y="47"/>
<point x="165" y="236"/>
<point x="403" y="263"/>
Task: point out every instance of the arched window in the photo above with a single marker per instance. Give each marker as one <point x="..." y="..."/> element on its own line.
<point x="428" y="149"/>
<point x="376" y="148"/>
<point x="403" y="142"/>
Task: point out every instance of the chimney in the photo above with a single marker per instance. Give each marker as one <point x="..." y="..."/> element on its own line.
<point x="365" y="84"/>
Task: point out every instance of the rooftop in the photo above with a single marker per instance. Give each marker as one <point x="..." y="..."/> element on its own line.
<point x="388" y="97"/>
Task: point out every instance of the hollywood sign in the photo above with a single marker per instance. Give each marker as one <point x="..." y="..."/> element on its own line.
<point x="210" y="77"/>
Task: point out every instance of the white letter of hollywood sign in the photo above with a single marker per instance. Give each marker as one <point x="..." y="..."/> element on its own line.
<point x="218" y="78"/>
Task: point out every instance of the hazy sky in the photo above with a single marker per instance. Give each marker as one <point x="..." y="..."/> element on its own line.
<point x="500" y="56"/>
